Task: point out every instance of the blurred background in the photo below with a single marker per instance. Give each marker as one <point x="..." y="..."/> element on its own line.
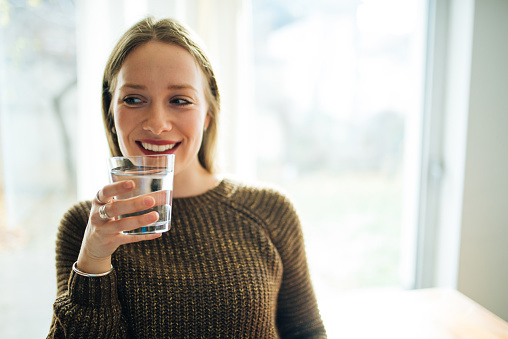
<point x="383" y="120"/>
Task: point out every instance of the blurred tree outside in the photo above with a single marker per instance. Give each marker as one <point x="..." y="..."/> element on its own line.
<point x="38" y="118"/>
<point x="333" y="98"/>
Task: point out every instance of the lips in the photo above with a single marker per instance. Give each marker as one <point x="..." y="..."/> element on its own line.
<point x="157" y="146"/>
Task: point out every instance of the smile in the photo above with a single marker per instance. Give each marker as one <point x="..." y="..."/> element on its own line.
<point x="158" y="148"/>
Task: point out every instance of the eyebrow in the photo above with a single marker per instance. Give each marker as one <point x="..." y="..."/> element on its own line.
<point x="177" y="86"/>
<point x="134" y="86"/>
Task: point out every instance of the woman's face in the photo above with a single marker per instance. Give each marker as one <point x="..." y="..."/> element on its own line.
<point x="159" y="105"/>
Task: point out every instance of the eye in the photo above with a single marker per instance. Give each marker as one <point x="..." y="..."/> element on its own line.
<point x="132" y="101"/>
<point x="180" y="102"/>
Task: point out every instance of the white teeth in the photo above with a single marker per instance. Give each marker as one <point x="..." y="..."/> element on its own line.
<point x="157" y="148"/>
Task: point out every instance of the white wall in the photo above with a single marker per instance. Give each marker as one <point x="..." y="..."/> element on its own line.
<point x="483" y="260"/>
<point x="464" y="238"/>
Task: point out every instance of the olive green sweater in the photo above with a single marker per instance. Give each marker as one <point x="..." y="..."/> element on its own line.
<point x="233" y="265"/>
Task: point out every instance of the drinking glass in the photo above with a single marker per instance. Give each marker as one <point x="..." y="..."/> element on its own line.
<point x="152" y="176"/>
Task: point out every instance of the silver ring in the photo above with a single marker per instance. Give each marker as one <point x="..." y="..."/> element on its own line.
<point x="103" y="214"/>
<point x="99" y="200"/>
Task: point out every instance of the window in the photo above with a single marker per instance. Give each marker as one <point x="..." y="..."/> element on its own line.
<point x="38" y="104"/>
<point x="338" y="101"/>
<point x="337" y="115"/>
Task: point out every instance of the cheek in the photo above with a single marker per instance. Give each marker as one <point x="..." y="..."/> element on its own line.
<point x="123" y="122"/>
<point x="192" y="125"/>
<point x="124" y="126"/>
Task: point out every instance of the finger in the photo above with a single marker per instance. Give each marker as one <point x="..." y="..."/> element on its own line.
<point x="161" y="197"/>
<point x="98" y="200"/>
<point x="108" y="192"/>
<point x="131" y="223"/>
<point x="128" y="206"/>
<point x="103" y="214"/>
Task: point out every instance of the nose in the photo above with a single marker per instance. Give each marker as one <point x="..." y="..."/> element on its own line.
<point x="158" y="119"/>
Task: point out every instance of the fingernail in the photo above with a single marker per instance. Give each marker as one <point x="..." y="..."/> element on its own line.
<point x="154" y="216"/>
<point x="128" y="184"/>
<point x="148" y="201"/>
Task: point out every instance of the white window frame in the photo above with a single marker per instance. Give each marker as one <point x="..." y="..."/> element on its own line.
<point x="444" y="143"/>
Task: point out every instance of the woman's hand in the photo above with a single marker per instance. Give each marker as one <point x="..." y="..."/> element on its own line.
<point x="103" y="236"/>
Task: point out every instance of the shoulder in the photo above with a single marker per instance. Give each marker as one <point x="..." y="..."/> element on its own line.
<point x="255" y="192"/>
<point x="267" y="201"/>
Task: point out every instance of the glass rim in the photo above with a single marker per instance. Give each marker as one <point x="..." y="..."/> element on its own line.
<point x="142" y="156"/>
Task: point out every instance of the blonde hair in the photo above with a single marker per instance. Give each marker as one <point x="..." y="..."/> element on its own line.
<point x="172" y="32"/>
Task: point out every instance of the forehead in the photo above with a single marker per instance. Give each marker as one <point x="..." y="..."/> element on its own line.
<point x="158" y="62"/>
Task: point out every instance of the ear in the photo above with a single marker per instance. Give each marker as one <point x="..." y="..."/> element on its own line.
<point x="207" y="121"/>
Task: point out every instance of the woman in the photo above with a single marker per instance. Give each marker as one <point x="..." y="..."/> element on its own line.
<point x="233" y="264"/>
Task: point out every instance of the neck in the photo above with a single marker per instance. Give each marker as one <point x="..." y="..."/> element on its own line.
<point x="195" y="183"/>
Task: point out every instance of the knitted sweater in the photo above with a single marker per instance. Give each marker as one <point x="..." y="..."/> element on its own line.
<point x="233" y="265"/>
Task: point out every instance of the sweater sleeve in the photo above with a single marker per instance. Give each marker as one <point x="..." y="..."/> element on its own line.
<point x="297" y="310"/>
<point x="85" y="307"/>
